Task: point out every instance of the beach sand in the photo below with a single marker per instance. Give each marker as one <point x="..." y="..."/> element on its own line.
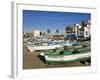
<point x="32" y="60"/>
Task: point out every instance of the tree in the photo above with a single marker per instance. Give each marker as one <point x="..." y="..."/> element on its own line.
<point x="44" y="34"/>
<point x="41" y="33"/>
<point x="57" y="31"/>
<point x="84" y="24"/>
<point x="48" y="31"/>
<point x="68" y="29"/>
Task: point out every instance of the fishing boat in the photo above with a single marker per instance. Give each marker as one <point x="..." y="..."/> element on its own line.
<point x="41" y="46"/>
<point x="66" y="56"/>
<point x="46" y="45"/>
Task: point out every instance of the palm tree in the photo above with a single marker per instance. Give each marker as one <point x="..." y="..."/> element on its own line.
<point x="84" y="24"/>
<point x="68" y="29"/>
<point x="57" y="30"/>
<point x="48" y="31"/>
<point x="41" y="33"/>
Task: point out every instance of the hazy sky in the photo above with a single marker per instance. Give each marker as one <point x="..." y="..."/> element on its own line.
<point x="43" y="20"/>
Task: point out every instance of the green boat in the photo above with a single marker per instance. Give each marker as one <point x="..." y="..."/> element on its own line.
<point x="66" y="56"/>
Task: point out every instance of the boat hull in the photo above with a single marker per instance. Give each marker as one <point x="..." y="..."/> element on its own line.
<point x="34" y="48"/>
<point x="66" y="58"/>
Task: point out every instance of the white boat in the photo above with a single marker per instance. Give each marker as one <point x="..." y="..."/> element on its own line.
<point x="44" y="47"/>
<point x="47" y="45"/>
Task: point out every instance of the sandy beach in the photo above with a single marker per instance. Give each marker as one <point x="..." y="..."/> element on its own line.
<point x="32" y="60"/>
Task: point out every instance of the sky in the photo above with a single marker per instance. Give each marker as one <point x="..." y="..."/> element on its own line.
<point x="43" y="20"/>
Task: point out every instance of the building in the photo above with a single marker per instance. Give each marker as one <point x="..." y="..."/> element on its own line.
<point x="79" y="31"/>
<point x="71" y="37"/>
<point x="35" y="33"/>
<point x="56" y="37"/>
<point x="87" y="31"/>
<point x="72" y="32"/>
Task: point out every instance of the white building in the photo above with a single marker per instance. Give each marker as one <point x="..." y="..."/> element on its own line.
<point x="36" y="33"/>
<point x="76" y="29"/>
<point x="87" y="32"/>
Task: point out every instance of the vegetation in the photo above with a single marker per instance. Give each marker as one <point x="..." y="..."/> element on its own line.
<point x="68" y="28"/>
<point x="41" y="33"/>
<point x="83" y="24"/>
<point x="48" y="31"/>
<point x="57" y="31"/>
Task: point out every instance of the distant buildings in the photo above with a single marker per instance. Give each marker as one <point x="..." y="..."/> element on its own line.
<point x="73" y="32"/>
<point x="32" y="34"/>
<point x="36" y="33"/>
<point x="87" y="31"/>
<point x="80" y="30"/>
<point x="56" y="37"/>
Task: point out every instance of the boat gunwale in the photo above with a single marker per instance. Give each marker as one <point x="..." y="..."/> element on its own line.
<point x="70" y="53"/>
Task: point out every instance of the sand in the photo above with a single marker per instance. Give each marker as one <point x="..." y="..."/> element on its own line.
<point x="32" y="60"/>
